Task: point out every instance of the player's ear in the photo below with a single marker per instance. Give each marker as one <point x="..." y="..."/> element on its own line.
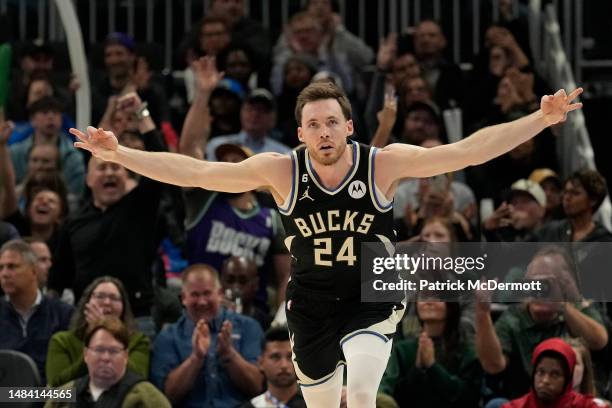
<point x="349" y="127"/>
<point x="300" y="136"/>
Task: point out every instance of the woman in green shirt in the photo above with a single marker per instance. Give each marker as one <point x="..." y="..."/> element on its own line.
<point x="438" y="368"/>
<point x="104" y="297"/>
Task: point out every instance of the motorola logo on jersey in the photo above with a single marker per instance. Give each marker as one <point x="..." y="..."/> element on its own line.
<point x="357" y="189"/>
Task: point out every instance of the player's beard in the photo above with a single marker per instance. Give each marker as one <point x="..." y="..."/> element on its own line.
<point x="328" y="160"/>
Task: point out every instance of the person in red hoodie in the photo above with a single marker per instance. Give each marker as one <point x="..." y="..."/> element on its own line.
<point x="553" y="361"/>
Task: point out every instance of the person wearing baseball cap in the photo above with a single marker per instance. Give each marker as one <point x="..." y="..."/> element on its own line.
<point x="552" y="186"/>
<point x="232" y="153"/>
<point x="257" y="118"/>
<point x="520" y="216"/>
<point x="421" y="121"/>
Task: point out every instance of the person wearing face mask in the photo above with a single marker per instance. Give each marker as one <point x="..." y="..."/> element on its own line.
<point x="104" y="297"/>
<point x="208" y="357"/>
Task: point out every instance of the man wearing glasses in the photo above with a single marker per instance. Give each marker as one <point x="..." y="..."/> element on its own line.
<point x="108" y="382"/>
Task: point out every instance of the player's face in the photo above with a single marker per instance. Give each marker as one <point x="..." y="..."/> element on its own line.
<point x="324" y="130"/>
<point x="276" y="364"/>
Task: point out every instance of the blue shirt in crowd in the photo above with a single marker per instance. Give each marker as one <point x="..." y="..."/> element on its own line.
<point x="213" y="387"/>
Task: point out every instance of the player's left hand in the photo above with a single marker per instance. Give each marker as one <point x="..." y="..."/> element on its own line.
<point x="224" y="341"/>
<point x="555" y="107"/>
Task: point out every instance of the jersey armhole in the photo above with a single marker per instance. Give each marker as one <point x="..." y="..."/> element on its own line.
<point x="379" y="200"/>
<point x="289" y="201"/>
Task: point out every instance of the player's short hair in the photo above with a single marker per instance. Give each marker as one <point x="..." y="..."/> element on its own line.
<point x="593" y="183"/>
<point x="317" y="91"/>
<point x="278" y="333"/>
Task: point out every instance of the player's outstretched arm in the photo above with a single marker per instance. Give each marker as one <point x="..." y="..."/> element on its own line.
<point x="398" y="161"/>
<point x="255" y="172"/>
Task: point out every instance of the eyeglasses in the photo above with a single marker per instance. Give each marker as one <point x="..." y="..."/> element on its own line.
<point x="103" y="296"/>
<point x="112" y="351"/>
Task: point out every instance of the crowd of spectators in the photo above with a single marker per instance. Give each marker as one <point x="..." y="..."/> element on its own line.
<point x="135" y="293"/>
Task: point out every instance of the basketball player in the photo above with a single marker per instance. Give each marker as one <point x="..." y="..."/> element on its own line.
<point x="333" y="194"/>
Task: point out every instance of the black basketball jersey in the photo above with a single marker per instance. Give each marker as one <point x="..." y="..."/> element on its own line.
<point x="325" y="228"/>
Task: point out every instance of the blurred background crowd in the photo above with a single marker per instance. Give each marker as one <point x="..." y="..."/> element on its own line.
<point x="136" y="292"/>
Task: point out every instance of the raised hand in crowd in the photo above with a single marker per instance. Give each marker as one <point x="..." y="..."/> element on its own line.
<point x="93" y="312"/>
<point x="206" y="74"/>
<point x="387" y="51"/>
<point x="482" y="299"/>
<point x="386" y="120"/>
<point x="502" y="37"/>
<point x="107" y="118"/>
<point x="500" y="218"/>
<point x="524" y="84"/>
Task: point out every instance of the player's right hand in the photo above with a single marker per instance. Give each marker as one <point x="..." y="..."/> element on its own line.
<point x="101" y="143"/>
